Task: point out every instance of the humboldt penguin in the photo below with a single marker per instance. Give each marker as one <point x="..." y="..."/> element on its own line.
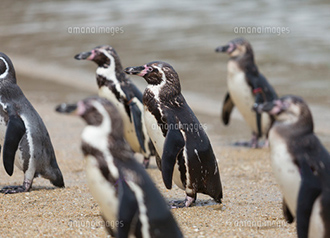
<point x="23" y="135"/>
<point x="129" y="201"/>
<point x="186" y="153"/>
<point x="114" y="85"/>
<point x="246" y="87"/>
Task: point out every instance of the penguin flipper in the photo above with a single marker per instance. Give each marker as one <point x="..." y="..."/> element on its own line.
<point x="310" y="189"/>
<point x="173" y="145"/>
<point x="287" y="213"/>
<point x="14" y="133"/>
<point x="134" y="113"/>
<point x="227" y="107"/>
<point x="128" y="210"/>
<point x="137" y="115"/>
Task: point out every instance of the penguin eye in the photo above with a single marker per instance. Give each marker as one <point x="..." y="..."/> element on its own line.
<point x="150" y="69"/>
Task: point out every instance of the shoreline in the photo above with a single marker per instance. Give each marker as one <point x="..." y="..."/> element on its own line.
<point x="84" y="80"/>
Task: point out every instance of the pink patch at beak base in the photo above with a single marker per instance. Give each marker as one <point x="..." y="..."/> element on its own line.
<point x="143" y="72"/>
<point x="80" y="108"/>
<point x="91" y="57"/>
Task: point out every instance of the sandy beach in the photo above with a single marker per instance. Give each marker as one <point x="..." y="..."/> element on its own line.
<point x="251" y="204"/>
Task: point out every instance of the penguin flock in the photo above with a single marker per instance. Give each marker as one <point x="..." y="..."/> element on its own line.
<point x="159" y="123"/>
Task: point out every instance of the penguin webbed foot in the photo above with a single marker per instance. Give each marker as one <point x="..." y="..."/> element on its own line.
<point x="188" y="202"/>
<point x="254" y="141"/>
<point x="17" y="189"/>
<point x="13" y="189"/>
<point x="146" y="162"/>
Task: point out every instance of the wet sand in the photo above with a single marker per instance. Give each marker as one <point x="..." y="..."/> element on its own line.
<point x="251" y="204"/>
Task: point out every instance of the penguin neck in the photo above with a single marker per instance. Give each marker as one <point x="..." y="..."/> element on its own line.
<point x="162" y="93"/>
<point x="112" y="73"/>
<point x="97" y="140"/>
<point x="9" y="91"/>
<point x="295" y="130"/>
<point x="246" y="63"/>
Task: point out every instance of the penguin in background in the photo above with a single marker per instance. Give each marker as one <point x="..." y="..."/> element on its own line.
<point x="186" y="153"/>
<point x="115" y="86"/>
<point x="301" y="165"/>
<point x="23" y="135"/>
<point x="129" y="201"/>
<point x="246" y="87"/>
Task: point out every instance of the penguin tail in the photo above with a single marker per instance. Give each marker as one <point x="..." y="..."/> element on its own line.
<point x="218" y="197"/>
<point x="54" y="175"/>
<point x="58" y="181"/>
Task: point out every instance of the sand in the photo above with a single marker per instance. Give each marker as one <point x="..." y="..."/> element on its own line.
<point x="251" y="204"/>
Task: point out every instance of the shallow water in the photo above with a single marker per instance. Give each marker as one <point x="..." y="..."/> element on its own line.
<point x="291" y="43"/>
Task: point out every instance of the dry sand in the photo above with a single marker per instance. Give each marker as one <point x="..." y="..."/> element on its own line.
<point x="251" y="205"/>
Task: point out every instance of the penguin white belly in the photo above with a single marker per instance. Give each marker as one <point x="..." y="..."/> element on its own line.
<point x="18" y="160"/>
<point x="157" y="138"/>
<point x="129" y="129"/>
<point x="285" y="171"/>
<point x="3" y="128"/>
<point x="241" y="94"/>
<point x="316" y="224"/>
<point x="103" y="192"/>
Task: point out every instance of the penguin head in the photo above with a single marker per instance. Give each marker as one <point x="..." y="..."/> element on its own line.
<point x="96" y="112"/>
<point x="236" y="48"/>
<point x="103" y="56"/>
<point x="158" y="73"/>
<point x="289" y="110"/>
<point x="7" y="71"/>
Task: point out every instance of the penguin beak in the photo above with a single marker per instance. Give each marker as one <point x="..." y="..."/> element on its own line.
<point x="139" y="70"/>
<point x="67" y="108"/>
<point x="85" y="55"/>
<point x="273" y="108"/>
<point x="226" y="48"/>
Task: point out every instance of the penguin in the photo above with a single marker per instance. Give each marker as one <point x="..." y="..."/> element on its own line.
<point x="129" y="201"/>
<point x="114" y="85"/>
<point x="300" y="164"/>
<point x="186" y="152"/>
<point x="23" y="135"/>
<point x="246" y="86"/>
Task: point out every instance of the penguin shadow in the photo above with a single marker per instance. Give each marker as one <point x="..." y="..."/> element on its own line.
<point x="248" y="144"/>
<point x="40" y="188"/>
<point x="173" y="204"/>
<point x="35" y="188"/>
